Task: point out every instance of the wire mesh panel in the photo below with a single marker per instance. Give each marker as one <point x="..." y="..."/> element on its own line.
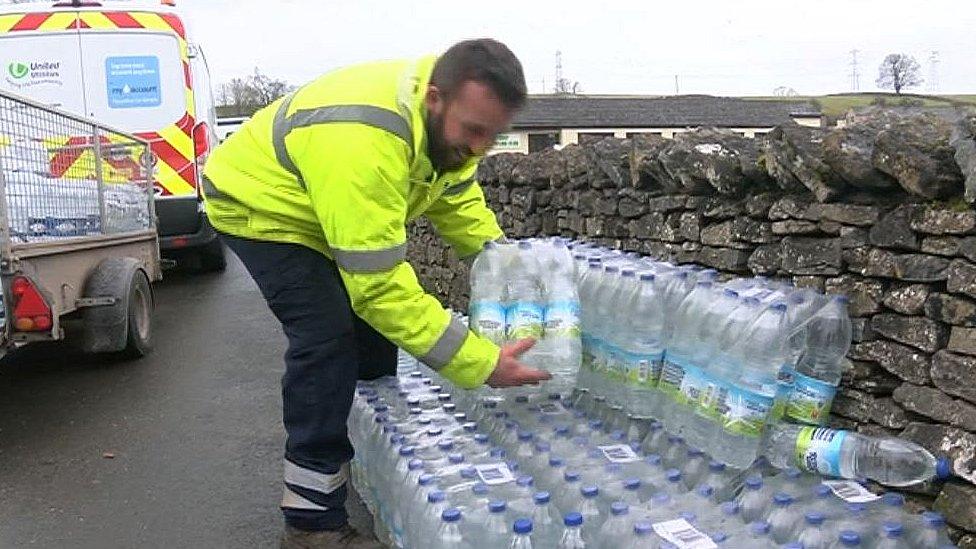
<point x="65" y="177"/>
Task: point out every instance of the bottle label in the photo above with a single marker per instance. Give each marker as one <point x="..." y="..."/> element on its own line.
<point x="746" y="411"/>
<point x="587" y="359"/>
<point x="683" y="535"/>
<point x="488" y="320"/>
<point x="616" y="366"/>
<point x="784" y="386"/>
<point x="672" y="377"/>
<point x="713" y="403"/>
<point x="851" y="491"/>
<point x="810" y="400"/>
<point x="524" y="320"/>
<point x="692" y="386"/>
<point x="619" y="453"/>
<point x="494" y="473"/>
<point x="818" y="450"/>
<point x="562" y="319"/>
<point x="644" y="370"/>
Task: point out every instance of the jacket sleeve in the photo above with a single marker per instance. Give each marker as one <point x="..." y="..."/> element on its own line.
<point x="463" y="219"/>
<point x="356" y="177"/>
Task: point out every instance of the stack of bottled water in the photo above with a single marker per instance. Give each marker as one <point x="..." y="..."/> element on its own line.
<point x="528" y="289"/>
<point x="719" y="362"/>
<point x="441" y="468"/>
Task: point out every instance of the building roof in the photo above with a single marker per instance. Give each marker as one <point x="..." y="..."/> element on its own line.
<point x="619" y="111"/>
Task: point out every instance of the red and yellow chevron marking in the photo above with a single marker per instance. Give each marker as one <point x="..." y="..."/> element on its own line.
<point x="172" y="145"/>
<point x="74" y="158"/>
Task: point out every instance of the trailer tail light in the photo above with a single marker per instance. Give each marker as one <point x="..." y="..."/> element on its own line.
<point x="201" y="148"/>
<point x="31" y="312"/>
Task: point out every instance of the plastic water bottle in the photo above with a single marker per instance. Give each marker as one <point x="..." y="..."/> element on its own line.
<point x="818" y="373"/>
<point x="589" y="506"/>
<point x="783" y="518"/>
<point x="758" y="535"/>
<point x="717" y="476"/>
<point x="644" y="350"/>
<point x="525" y="312"/>
<point x="561" y="346"/>
<point x="572" y="536"/>
<point x="521" y="539"/>
<point x="931" y="532"/>
<point x="487" y="304"/>
<point x="695" y="467"/>
<point x="643" y="536"/>
<point x="892" y="536"/>
<point x="837" y="453"/>
<point x="856" y="519"/>
<point x="449" y="534"/>
<point x="616" y="530"/>
<point x="679" y="373"/>
<point x="760" y="355"/>
<point x="813" y="534"/>
<point x="543" y="517"/>
<point x="496" y="530"/>
<point x="752" y="501"/>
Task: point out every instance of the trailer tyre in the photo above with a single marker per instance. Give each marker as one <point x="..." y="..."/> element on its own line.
<point x="139" y="336"/>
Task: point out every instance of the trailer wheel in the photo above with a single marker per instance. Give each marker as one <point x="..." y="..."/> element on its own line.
<point x="139" y="336"/>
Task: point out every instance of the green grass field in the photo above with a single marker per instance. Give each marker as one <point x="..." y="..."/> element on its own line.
<point x="836" y="105"/>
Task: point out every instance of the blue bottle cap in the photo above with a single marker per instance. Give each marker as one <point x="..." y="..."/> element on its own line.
<point x="380" y="408"/>
<point x="573" y="519"/>
<point x="793" y="473"/>
<point x="705" y="491"/>
<point x="653" y="459"/>
<point x="521" y="399"/>
<point x="512" y="465"/>
<point x="426" y="479"/>
<point x="849" y="538"/>
<point x="525" y="480"/>
<point x="406" y="451"/>
<point x="688" y="516"/>
<point x="435" y="388"/>
<point x="469" y="473"/>
<point x="782" y="499"/>
<point x="522" y="526"/>
<point x="416" y="411"/>
<point x="497" y="453"/>
<point x="695" y="452"/>
<point x="943" y="468"/>
<point x="814" y="517"/>
<point x="496" y="506"/>
<point x="481" y="438"/>
<point x="856" y="508"/>
<point x="672" y="439"/>
<point x="470" y="427"/>
<point x="720" y="537"/>
<point x="794" y="545"/>
<point x="480" y="489"/>
<point x="892" y="529"/>
<point x="933" y="519"/>
<point x="541" y="498"/>
<point x="435" y="496"/>
<point x="661" y="498"/>
<point x="618" y="435"/>
<point x="571" y="476"/>
<point x="893" y="499"/>
<point x="754" y="482"/>
<point x="645" y="277"/>
<point x="451" y="515"/>
<point x="554" y="397"/>
<point x="632" y="484"/>
<point x="542" y="447"/>
<point x="643" y="528"/>
<point x="524" y="436"/>
<point x="635" y="446"/>
<point x="731" y="508"/>
<point x="445" y="444"/>
<point x="415" y="464"/>
<point x="822" y="490"/>
<point x="595" y="424"/>
<point x="760" y="527"/>
<point x="716" y="466"/>
<point x="562" y="430"/>
<point x="618" y="508"/>
<point x="674" y="475"/>
<point x="728" y="292"/>
<point x="396" y="438"/>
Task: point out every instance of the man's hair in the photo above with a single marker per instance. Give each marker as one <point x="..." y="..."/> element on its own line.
<point x="485" y="61"/>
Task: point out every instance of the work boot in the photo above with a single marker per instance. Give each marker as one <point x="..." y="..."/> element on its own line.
<point x="346" y="537"/>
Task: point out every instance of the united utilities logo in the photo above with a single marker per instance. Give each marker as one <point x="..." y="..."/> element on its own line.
<point x="18" y="70"/>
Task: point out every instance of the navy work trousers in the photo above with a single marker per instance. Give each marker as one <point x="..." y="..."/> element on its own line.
<point x="329" y="348"/>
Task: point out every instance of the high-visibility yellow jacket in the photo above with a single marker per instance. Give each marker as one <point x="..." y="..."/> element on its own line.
<point x="341" y="166"/>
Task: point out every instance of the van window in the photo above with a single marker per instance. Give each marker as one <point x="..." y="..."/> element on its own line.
<point x="43" y="67"/>
<point x="134" y="81"/>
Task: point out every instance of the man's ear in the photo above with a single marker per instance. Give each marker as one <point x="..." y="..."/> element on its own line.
<point x="433" y="96"/>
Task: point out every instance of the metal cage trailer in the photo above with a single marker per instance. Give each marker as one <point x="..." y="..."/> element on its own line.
<point x="79" y="247"/>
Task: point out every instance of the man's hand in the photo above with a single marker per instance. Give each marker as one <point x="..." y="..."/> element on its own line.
<point x="510" y="372"/>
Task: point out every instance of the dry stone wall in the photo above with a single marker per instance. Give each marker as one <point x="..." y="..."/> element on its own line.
<point x="880" y="210"/>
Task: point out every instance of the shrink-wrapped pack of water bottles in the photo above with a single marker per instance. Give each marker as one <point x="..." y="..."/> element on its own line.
<point x="685" y="410"/>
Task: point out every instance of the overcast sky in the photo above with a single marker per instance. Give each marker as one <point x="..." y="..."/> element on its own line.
<point x="731" y="47"/>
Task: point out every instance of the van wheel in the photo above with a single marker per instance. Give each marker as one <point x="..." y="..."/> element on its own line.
<point x="139" y="333"/>
<point x="211" y="257"/>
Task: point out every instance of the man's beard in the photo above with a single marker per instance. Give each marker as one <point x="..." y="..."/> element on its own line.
<point x="442" y="155"/>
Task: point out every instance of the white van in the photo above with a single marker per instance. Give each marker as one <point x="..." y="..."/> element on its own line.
<point x="132" y="65"/>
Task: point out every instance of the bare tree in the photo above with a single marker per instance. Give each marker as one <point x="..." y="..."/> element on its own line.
<point x="246" y="95"/>
<point x="898" y="71"/>
<point x="784" y="91"/>
<point x="565" y="86"/>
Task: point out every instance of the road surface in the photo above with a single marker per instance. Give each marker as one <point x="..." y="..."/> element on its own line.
<point x="180" y="449"/>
